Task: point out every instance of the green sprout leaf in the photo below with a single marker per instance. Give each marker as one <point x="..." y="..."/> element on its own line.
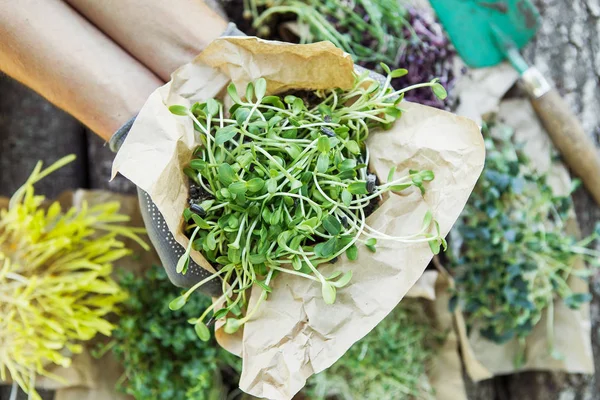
<point x="400" y="72"/>
<point x="439" y="91"/>
<point x="358" y="188"/>
<point x="179" y="110"/>
<point x="323" y="144"/>
<point x="177" y="303"/>
<point x="202" y="331"/>
<point x="353" y="147"/>
<point x="352" y="252"/>
<point x="225" y="134"/>
<point x="328" y="292"/>
<point x="232" y="91"/>
<point x="332" y="225"/>
<point x="370" y="243"/>
<point x="260" y="88"/>
<point x="212" y="107"/>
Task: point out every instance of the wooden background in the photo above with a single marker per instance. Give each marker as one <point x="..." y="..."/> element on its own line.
<point x="567" y="49"/>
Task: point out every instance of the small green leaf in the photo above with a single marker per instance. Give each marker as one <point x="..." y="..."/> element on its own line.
<point x="211" y="242"/>
<point x="346" y="197"/>
<point x="177" y="303"/>
<point x="212" y="106"/>
<point x="323" y="144"/>
<point x="237" y="188"/>
<point x="225" y="134"/>
<point x="390" y="176"/>
<point x="439" y="91"/>
<point x="427" y="175"/>
<point x="370" y="244"/>
<point x="232" y="91"/>
<point x="332" y="225"/>
<point x="200" y="222"/>
<point x="397" y="73"/>
<point x="328" y="292"/>
<point x="199" y="165"/>
<point x="323" y="163"/>
<point x="399" y="188"/>
<point x="343" y="281"/>
<point x="352" y="252"/>
<point x="353" y="147"/>
<point x="202" y="331"/>
<point x="359" y="187"/>
<point x="255" y="185"/>
<point x="347" y="164"/>
<point x="249" y="92"/>
<point x="232" y="325"/>
<point x="226" y="174"/>
<point x="260" y="88"/>
<point x="296" y="263"/>
<point x="179" y="110"/>
<point x="257" y="258"/>
<point x="220" y="313"/>
<point x="435" y="246"/>
<point x="182" y="263"/>
<point x="385" y="68"/>
<point x="271" y="185"/>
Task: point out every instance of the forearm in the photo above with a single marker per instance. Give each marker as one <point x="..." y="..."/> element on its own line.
<point x="52" y="49"/>
<point x="163" y="35"/>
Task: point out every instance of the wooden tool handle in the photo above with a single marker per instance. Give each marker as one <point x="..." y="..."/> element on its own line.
<point x="577" y="149"/>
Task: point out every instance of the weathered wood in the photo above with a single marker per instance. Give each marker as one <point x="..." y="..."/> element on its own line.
<point x="32" y="129"/>
<point x="567" y="50"/>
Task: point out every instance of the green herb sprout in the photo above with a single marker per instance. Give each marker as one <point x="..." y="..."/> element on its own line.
<point x="283" y="187"/>
<point x="391" y="362"/>
<point x="513" y="256"/>
<point x="160" y="353"/>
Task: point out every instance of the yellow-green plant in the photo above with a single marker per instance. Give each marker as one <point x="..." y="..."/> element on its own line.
<point x="55" y="283"/>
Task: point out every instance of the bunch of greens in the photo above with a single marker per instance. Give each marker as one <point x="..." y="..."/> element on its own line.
<point x="372" y="32"/>
<point x="161" y="355"/>
<point x="284" y="185"/>
<point x="391" y="362"/>
<point x="513" y="256"/>
<point x="56" y="288"/>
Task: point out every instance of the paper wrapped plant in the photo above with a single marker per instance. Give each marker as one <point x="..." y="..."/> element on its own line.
<point x="55" y="284"/>
<point x="289" y="308"/>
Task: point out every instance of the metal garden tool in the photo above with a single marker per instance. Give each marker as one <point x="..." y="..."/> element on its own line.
<point x="484" y="33"/>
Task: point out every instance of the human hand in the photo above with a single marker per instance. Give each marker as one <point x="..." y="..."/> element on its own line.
<point x="99" y="61"/>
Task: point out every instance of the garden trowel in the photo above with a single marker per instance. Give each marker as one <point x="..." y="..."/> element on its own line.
<point x="486" y="32"/>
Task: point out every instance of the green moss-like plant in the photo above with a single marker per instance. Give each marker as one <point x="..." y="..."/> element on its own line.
<point x="161" y="354"/>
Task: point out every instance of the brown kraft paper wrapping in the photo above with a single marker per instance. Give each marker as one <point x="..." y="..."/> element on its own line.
<point x="294" y="334"/>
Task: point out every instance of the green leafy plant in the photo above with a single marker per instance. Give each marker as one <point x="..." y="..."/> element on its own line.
<point x="56" y="288"/>
<point x="512" y="256"/>
<point x="391" y="362"/>
<point x="160" y="353"/>
<point x="388" y="31"/>
<point x="282" y="184"/>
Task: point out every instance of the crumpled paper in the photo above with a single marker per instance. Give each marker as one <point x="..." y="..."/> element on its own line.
<point x="445" y="372"/>
<point x="295" y="334"/>
<point x="572" y="328"/>
<point x="88" y="378"/>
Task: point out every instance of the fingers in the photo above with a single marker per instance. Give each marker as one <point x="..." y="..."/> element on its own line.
<point x="163" y="35"/>
<point x="51" y="48"/>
